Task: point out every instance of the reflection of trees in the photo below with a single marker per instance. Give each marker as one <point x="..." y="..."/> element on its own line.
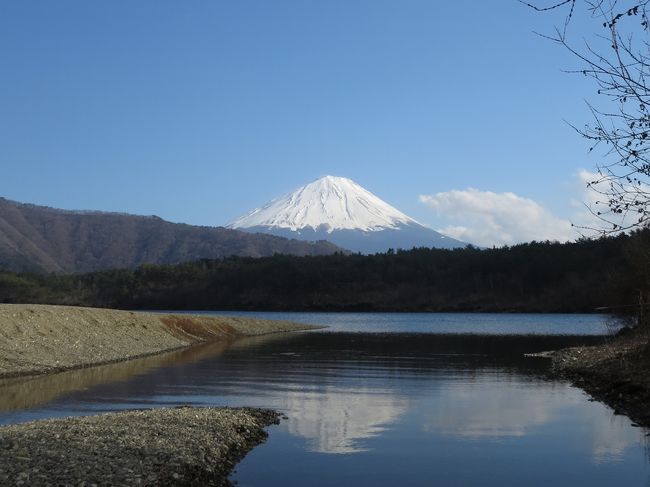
<point x="24" y="393"/>
<point x="334" y="420"/>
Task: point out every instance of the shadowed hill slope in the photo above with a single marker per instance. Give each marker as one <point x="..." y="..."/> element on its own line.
<point x="41" y="239"/>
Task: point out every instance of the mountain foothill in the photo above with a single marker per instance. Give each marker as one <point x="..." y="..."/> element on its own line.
<point x="331" y="214"/>
<point x="40" y="239"/>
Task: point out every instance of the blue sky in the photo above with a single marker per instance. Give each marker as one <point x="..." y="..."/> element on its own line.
<point x="198" y="111"/>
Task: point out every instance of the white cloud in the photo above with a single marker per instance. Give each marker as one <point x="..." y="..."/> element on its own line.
<point x="487" y="218"/>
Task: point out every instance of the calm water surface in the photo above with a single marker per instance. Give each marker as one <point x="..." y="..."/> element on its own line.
<point x="383" y="409"/>
<point x="481" y="323"/>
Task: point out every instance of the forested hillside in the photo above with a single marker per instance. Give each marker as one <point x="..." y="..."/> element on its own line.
<point x="536" y="277"/>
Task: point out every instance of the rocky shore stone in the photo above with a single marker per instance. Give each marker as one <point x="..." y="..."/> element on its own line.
<point x="616" y="373"/>
<point x="171" y="446"/>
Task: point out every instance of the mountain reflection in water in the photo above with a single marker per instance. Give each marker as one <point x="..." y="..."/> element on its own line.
<point x="473" y="409"/>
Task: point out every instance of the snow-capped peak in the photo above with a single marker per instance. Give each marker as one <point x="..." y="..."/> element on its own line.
<point x="331" y="203"/>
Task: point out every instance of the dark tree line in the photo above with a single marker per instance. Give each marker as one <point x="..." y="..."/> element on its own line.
<point x="535" y="277"/>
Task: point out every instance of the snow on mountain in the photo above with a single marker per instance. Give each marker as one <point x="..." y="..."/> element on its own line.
<point x="331" y="203"/>
<point x="339" y="210"/>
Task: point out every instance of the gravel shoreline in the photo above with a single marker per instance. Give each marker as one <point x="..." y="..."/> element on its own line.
<point x="171" y="446"/>
<point x="38" y="339"/>
<point x="177" y="446"/>
<point x="616" y="373"/>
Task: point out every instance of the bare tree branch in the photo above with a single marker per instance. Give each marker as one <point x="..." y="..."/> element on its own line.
<point x="619" y="64"/>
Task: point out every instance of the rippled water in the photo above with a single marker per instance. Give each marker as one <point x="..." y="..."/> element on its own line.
<point x="378" y="409"/>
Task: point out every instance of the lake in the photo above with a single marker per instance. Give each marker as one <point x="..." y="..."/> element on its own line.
<point x="383" y="400"/>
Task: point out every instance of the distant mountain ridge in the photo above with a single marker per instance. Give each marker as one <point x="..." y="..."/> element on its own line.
<point x="42" y="239"/>
<point x="341" y="211"/>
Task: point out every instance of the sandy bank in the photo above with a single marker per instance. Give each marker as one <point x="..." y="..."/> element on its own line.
<point x="616" y="373"/>
<point x="180" y="446"/>
<point x="37" y="339"/>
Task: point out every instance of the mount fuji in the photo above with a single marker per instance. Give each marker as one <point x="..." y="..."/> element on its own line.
<point x="339" y="210"/>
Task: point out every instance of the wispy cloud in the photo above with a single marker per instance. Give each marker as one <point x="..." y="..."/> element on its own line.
<point x="487" y="218"/>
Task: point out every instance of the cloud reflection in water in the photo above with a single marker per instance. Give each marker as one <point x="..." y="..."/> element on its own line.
<point x="336" y="420"/>
<point x="483" y="410"/>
